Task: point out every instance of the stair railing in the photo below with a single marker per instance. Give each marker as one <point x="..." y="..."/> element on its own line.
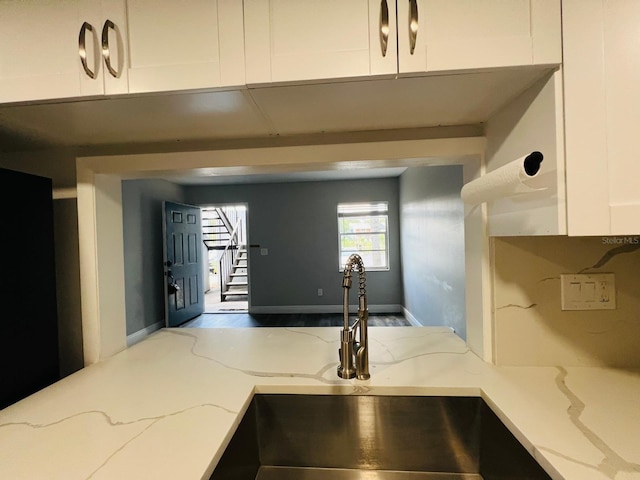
<point x="227" y="259"/>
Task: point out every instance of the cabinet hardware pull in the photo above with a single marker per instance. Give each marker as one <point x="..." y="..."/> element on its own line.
<point x="105" y="47"/>
<point x="82" y="50"/>
<point x="413" y="24"/>
<point x="384" y="27"/>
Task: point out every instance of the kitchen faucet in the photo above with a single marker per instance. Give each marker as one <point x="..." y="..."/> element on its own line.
<point x="354" y="356"/>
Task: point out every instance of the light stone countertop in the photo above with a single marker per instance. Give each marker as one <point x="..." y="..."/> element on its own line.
<point x="166" y="407"/>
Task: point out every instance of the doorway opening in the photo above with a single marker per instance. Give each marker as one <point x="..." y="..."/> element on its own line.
<point x="224" y="234"/>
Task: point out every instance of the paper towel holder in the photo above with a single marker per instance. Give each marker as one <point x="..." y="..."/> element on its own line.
<point x="532" y="163"/>
<point x="513" y="178"/>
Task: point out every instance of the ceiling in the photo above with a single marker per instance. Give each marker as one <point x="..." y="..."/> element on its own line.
<point x="178" y="118"/>
<point x="286" y="177"/>
<point x="441" y="106"/>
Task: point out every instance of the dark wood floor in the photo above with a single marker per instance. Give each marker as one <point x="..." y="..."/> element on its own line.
<point x="243" y="320"/>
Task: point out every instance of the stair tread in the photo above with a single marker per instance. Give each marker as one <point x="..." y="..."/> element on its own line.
<point x="234" y="292"/>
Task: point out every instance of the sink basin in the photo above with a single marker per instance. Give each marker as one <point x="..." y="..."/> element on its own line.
<point x="340" y="437"/>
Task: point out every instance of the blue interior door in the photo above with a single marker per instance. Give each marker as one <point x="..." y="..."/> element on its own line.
<point x="184" y="289"/>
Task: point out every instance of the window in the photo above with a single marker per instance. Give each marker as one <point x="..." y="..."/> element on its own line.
<point x="363" y="229"/>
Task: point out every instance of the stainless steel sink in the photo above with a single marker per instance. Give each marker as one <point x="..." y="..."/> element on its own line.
<point x="338" y="437"/>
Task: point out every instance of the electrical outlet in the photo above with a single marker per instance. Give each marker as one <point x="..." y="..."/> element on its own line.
<point x="320" y="292"/>
<point x="264" y="251"/>
<point x="596" y="291"/>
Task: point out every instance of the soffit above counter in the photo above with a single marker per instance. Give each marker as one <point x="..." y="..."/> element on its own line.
<point x="251" y="114"/>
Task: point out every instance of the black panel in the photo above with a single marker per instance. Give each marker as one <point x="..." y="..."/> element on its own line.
<point x="28" y="323"/>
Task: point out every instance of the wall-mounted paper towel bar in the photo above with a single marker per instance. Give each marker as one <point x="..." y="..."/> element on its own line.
<point x="511" y="179"/>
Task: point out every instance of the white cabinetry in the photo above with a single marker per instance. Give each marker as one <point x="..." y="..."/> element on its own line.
<point x="448" y="35"/>
<point x="41" y="44"/>
<point x="181" y="45"/>
<point x="299" y="40"/>
<point x="602" y="115"/>
<point x="533" y="121"/>
<point x="185" y="45"/>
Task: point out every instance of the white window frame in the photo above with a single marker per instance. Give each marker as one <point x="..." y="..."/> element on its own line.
<point x="364" y="209"/>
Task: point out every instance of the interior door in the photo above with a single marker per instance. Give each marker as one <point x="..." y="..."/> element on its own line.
<point x="184" y="287"/>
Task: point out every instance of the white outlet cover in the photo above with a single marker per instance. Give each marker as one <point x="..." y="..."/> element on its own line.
<point x="592" y="291"/>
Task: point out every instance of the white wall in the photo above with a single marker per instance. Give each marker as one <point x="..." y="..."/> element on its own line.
<point x="432" y="236"/>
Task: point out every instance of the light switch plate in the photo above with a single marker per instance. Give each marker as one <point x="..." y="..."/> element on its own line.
<point x="264" y="251"/>
<point x="593" y="291"/>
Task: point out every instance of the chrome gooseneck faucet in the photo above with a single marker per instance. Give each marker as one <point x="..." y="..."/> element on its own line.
<point x="354" y="356"/>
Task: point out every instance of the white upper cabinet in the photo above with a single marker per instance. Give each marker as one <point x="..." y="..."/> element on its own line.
<point x="306" y="40"/>
<point x="602" y="115"/>
<point x="185" y="44"/>
<point x="302" y="40"/>
<point x="45" y="44"/>
<point x="54" y="49"/>
<point x="449" y="35"/>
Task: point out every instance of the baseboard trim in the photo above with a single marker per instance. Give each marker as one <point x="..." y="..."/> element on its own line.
<point x="410" y="318"/>
<point x="391" y="308"/>
<point x="142" y="334"/>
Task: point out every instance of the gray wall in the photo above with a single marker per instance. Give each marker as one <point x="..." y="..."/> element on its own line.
<point x="297" y="223"/>
<point x="142" y="224"/>
<point x="432" y="232"/>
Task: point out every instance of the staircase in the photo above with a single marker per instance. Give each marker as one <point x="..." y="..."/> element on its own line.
<point x="237" y="288"/>
<point x="223" y="230"/>
<point x="216" y="228"/>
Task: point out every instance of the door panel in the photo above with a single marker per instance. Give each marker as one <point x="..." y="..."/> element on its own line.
<point x="186" y="44"/>
<point x="39" y="57"/>
<point x="296" y="40"/>
<point x="184" y="291"/>
<point x="476" y="34"/>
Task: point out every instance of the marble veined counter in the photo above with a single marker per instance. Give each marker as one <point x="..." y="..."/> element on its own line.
<point x="166" y="407"/>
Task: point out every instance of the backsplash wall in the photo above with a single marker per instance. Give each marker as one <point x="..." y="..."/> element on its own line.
<point x="529" y="326"/>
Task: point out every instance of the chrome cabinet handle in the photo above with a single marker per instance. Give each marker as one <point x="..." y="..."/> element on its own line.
<point x="82" y="50"/>
<point x="384" y="27"/>
<point x="105" y="47"/>
<point x="413" y="25"/>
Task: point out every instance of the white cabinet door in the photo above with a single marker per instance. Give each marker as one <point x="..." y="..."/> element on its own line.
<point x="602" y="115"/>
<point x="113" y="41"/>
<point x="301" y="40"/>
<point x="39" y="49"/>
<point x="185" y="44"/>
<point x="44" y="42"/>
<point x="448" y="35"/>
